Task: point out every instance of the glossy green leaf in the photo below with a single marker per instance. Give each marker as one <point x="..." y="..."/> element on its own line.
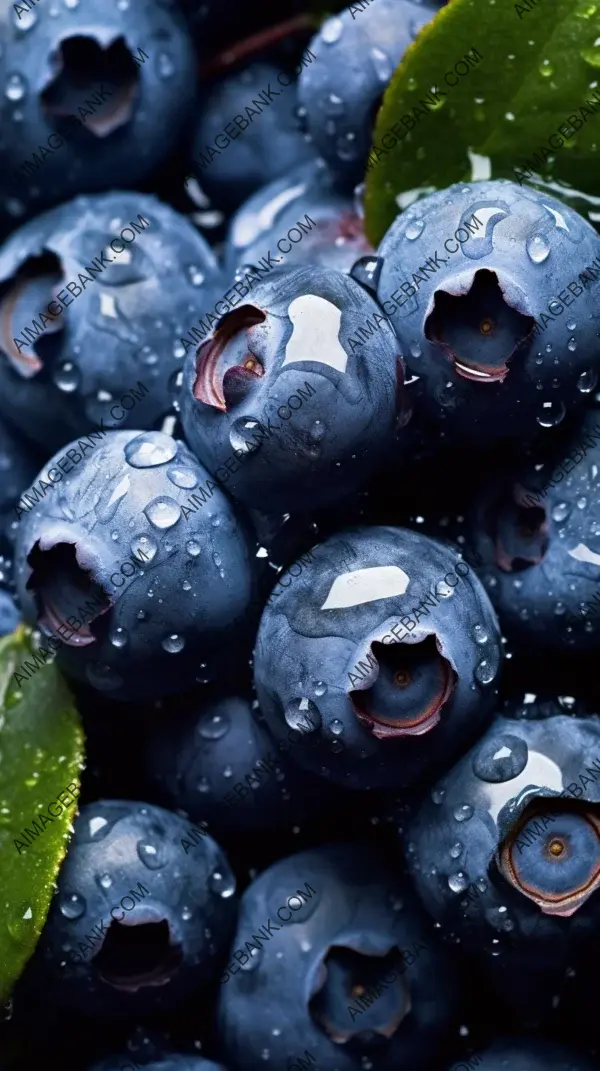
<point x="540" y="63"/>
<point x="41" y="752"/>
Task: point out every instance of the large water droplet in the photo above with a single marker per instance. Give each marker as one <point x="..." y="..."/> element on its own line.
<point x="151" y="855"/>
<point x="173" y="644"/>
<point x="144" y="547"/>
<point x="485" y="671"/>
<point x="193" y="548"/>
<point x="587" y="381"/>
<point x="24" y="19"/>
<point x="222" y="882"/>
<point x="463" y="813"/>
<point x="332" y="30"/>
<point x="66" y="377"/>
<point x="367" y="271"/>
<point x="458" y="882"/>
<point x="150" y="449"/>
<point x="163" y="512"/>
<point x="119" y="638"/>
<point x="551" y="414"/>
<point x="241" y="434"/>
<point x="302" y="714"/>
<point x="16" y="87"/>
<point x="479" y="634"/>
<point x="72" y="907"/>
<point x="214" y="726"/>
<point x="182" y="477"/>
<point x="414" y="229"/>
<point x="560" y="512"/>
<point x="537" y="249"/>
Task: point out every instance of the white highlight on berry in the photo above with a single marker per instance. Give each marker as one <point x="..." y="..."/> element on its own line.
<point x="581" y="553"/>
<point x="539" y="770"/>
<point x="316" y="334"/>
<point x="248" y="226"/>
<point x="366" y="585"/>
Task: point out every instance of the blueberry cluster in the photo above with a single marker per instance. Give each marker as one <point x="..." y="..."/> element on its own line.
<point x="310" y="529"/>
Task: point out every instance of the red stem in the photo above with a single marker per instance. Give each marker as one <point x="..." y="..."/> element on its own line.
<point x="257" y="43"/>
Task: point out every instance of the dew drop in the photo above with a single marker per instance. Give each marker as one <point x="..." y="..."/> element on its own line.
<point x="485" y="672"/>
<point x="23" y="20"/>
<point x="458" y="882"/>
<point x="537" y="249"/>
<point x="332" y="30"/>
<point x="479" y="634"/>
<point x="367" y="271"/>
<point x="214" y="726"/>
<point x="587" y="382"/>
<point x="163" y="512"/>
<point x="150" y="449"/>
<point x="173" y="644"/>
<point x="105" y="881"/>
<point x="222" y="882"/>
<point x="150" y="855"/>
<point x="384" y="68"/>
<point x="463" y="812"/>
<point x="144" y="547"/>
<point x="443" y="590"/>
<point x="320" y="688"/>
<point x="456" y="850"/>
<point x="336" y="727"/>
<point x="66" y="377"/>
<point x="119" y="638"/>
<point x="414" y="229"/>
<point x="72" y="907"/>
<point x="193" y="548"/>
<point x="302" y="714"/>
<point x="241" y="434"/>
<point x="560" y="512"/>
<point x="551" y="414"/>
<point x="182" y="477"/>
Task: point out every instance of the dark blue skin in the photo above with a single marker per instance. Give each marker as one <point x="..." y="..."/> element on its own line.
<point x="63" y="54"/>
<point x="171" y="1062"/>
<point x="357" y="53"/>
<point x="151" y="956"/>
<point x="196" y="762"/>
<point x="345" y="935"/>
<point x="9" y="614"/>
<point x="526" y="1054"/>
<point x="179" y="614"/>
<point x="18" y="467"/>
<point x="428" y="690"/>
<point x="246" y="159"/>
<point x="292" y="333"/>
<point x="526" y="540"/>
<point x="467" y="328"/>
<point x="337" y="241"/>
<point x="123" y="328"/>
<point x="484" y="870"/>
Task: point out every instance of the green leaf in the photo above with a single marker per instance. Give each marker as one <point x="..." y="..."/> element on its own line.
<point x="538" y="66"/>
<point x="41" y="752"/>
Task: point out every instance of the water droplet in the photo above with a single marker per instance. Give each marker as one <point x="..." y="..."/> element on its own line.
<point x="546" y="69"/>
<point x="19" y="925"/>
<point x="193" y="548"/>
<point x="571" y="325"/>
<point x="72" y="907"/>
<point x="334" y="106"/>
<point x="144" y="547"/>
<point x="302" y="714"/>
<point x="560" y="512"/>
<point x="214" y="726"/>
<point x="592" y="55"/>
<point x="66" y="377"/>
<point x="456" y="850"/>
<point x="163" y="512"/>
<point x="414" y="229"/>
<point x="572" y="345"/>
<point x="384" y="68"/>
<point x="366" y="271"/>
<point x="105" y="881"/>
<point x="182" y="477"/>
<point x="458" y="882"/>
<point x="537" y="249"/>
<point x="119" y="637"/>
<point x="587" y="381"/>
<point x="241" y="434"/>
<point x="222" y="882"/>
<point x="332" y="30"/>
<point x="150" y="855"/>
<point x="415" y="349"/>
<point x="173" y="644"/>
<point x="150" y="449"/>
<point x="164" y="66"/>
<point x="437" y="795"/>
<point x="463" y="812"/>
<point x="186" y="586"/>
<point x="485" y="672"/>
<point x="23" y="19"/>
<point x="320" y="688"/>
<point x="254" y="961"/>
<point x="103" y="677"/>
<point x="551" y="414"/>
<point x="336" y="727"/>
<point x="479" y="634"/>
<point x="16" y="87"/>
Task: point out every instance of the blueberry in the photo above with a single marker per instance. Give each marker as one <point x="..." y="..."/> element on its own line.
<point x="534" y="529"/>
<point x="139" y="601"/>
<point x="466" y="274"/>
<point x="505" y="852"/>
<point x="137" y="921"/>
<point x="334" y="945"/>
<point x="528" y="1054"/>
<point x="9" y="614"/>
<point x="233" y="159"/>
<point x="387" y="634"/>
<point x="81" y="362"/>
<point x="96" y="96"/>
<point x="337" y="241"/>
<point x="356" y="53"/>
<point x="297" y="409"/>
<point x="221" y="764"/>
